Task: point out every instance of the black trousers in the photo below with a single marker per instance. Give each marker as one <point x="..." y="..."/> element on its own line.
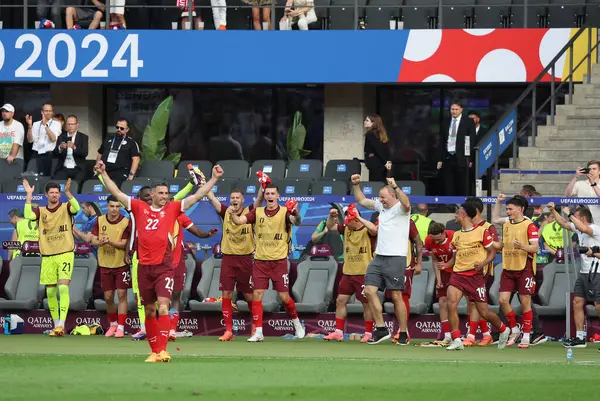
<point x="44" y="163"/>
<point x="76" y="174"/>
<point x="454" y="177"/>
<point x="118" y="177"/>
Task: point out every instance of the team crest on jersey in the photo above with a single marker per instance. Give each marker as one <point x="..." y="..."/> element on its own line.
<point x="162" y="214"/>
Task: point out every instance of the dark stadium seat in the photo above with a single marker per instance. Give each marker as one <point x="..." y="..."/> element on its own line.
<point x="239" y="16"/>
<point x="273" y="168"/>
<point x="553" y="289"/>
<point x="313" y="289"/>
<point x="16" y="186"/>
<point x="74" y="185"/>
<point x="420" y="14"/>
<point x="93" y="187"/>
<point x="305" y="169"/>
<point x="208" y="287"/>
<point x="414" y="188"/>
<point x="565" y="13"/>
<point x="11" y="171"/>
<point x="491" y="16"/>
<point x="21" y="287"/>
<point x="341" y="169"/>
<point x="293" y="187"/>
<point x="322" y="10"/>
<point x="132" y="187"/>
<point x="32" y="166"/>
<point x="454" y="16"/>
<point x="249" y="186"/>
<point x="592" y="11"/>
<point x="224" y="187"/>
<point x="233" y="168"/>
<point x="370" y="188"/>
<point x="423" y="286"/>
<point x="536" y="9"/>
<point x="380" y="12"/>
<point x="176" y="184"/>
<point x="82" y="283"/>
<point x="204" y="165"/>
<point x="327" y="187"/>
<point x="157" y="169"/>
<point x="341" y="14"/>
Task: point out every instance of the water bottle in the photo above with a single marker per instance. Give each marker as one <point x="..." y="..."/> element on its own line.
<point x="193" y="175"/>
<point x="569" y="355"/>
<point x="7" y="325"/>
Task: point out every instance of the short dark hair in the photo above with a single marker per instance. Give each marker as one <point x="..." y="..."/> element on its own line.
<point x="518" y="201"/>
<point x="124" y="120"/>
<point x="237" y="190"/>
<point x="596" y="162"/>
<point x="16" y="212"/>
<point x="52" y="185"/>
<point x="435" y="228"/>
<point x="59" y="116"/>
<point x="94" y="206"/>
<point x="112" y="198"/>
<point x="273" y="186"/>
<point x="142" y="189"/>
<point x="160" y="184"/>
<point x="475" y="202"/>
<point x="469" y="209"/>
<point x="528" y="189"/>
<point x="585" y="212"/>
<point x="72" y="116"/>
<point x="457" y="103"/>
<point x="474" y="113"/>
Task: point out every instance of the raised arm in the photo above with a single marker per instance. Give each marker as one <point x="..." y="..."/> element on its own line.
<point x="74" y="206"/>
<point x="217" y="173"/>
<point x="320" y="231"/>
<point x="558" y="218"/>
<point x="569" y="189"/>
<point x="404" y="201"/>
<point x="359" y="197"/>
<point x="184" y="192"/>
<point x="332" y="219"/>
<point x="259" y="198"/>
<point x="237" y="220"/>
<point x="214" y="201"/>
<point x="496" y="210"/>
<point x="28" y="212"/>
<point x="114" y="190"/>
<point x="371" y="228"/>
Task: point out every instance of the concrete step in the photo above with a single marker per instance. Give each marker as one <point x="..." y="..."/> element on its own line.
<point x="544" y="188"/>
<point x="575" y="121"/>
<point x="577" y="110"/>
<point x="549" y="164"/>
<point x="559" y="152"/>
<point x="566" y="142"/>
<point x="559" y="178"/>
<point x="588" y="89"/>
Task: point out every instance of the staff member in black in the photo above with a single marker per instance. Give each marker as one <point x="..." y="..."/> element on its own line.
<point x="71" y="151"/>
<point x="452" y="161"/>
<point x="120" y="154"/>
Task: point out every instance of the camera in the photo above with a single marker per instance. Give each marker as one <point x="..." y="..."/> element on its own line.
<point x="585" y="249"/>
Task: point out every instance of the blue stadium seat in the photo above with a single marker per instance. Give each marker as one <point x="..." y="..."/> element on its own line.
<point x="294" y="187"/>
<point x="341" y="169"/>
<point x="233" y="168"/>
<point x="250" y="186"/>
<point x="370" y="188"/>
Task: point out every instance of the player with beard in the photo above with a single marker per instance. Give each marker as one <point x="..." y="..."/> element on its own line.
<point x="273" y="232"/>
<point x="237" y="246"/>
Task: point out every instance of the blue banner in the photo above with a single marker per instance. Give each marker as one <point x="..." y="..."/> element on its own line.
<point x="507" y="132"/>
<point x="199" y="56"/>
<point x="488" y="153"/>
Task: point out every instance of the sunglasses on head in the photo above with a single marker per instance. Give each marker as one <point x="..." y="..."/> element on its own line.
<point x="121" y="128"/>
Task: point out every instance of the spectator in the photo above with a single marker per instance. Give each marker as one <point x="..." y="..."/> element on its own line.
<point x="43" y="134"/>
<point x="587" y="188"/>
<point x="12" y="134"/>
<point x="225" y="147"/>
<point x="120" y="154"/>
<point x="335" y="240"/>
<point x="91" y="211"/>
<point x="185" y="16"/>
<point x="376" y="149"/>
<point x="528" y="191"/>
<point x="301" y="12"/>
<point x="421" y="220"/>
<point x="257" y="5"/>
<point x="60" y="118"/>
<point x="71" y="151"/>
<point x="219" y="9"/>
<point x="51" y="7"/>
<point x="117" y="15"/>
<point x="479" y="130"/>
<point x="91" y="14"/>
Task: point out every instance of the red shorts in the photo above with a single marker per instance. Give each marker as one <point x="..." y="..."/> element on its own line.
<point x="179" y="275"/>
<point x="350" y="285"/>
<point x="156" y="281"/>
<point x="472" y="287"/>
<point x="274" y="270"/>
<point x="445" y="277"/>
<point x="522" y="281"/>
<point x="115" y="279"/>
<point x="236" y="273"/>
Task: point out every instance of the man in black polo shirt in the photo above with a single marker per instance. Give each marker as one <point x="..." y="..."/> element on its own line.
<point x="120" y="154"/>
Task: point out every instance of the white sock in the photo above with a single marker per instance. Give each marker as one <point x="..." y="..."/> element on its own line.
<point x="56" y="323"/>
<point x="61" y="323"/>
<point x="143" y="327"/>
<point x="258" y="331"/>
<point x="580" y="335"/>
<point x="113" y="323"/>
<point x="471" y="336"/>
<point x="120" y="327"/>
<point x="486" y="334"/>
<point x="339" y="331"/>
<point x="172" y="331"/>
<point x="525" y="337"/>
<point x="296" y="322"/>
<point x="447" y="336"/>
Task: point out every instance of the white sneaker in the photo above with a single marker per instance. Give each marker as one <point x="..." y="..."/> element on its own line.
<point x="300" y="331"/>
<point x="512" y="339"/>
<point x="256" y="338"/>
<point x="502" y="341"/>
<point x="456" y="345"/>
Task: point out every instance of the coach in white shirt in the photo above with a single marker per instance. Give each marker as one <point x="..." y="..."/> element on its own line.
<point x="43" y="134"/>
<point x="386" y="270"/>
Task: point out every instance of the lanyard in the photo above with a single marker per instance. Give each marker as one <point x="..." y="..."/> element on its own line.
<point x="112" y="145"/>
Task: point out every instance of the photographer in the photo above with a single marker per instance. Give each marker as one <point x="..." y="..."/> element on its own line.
<point x="586" y="188"/>
<point x="587" y="285"/>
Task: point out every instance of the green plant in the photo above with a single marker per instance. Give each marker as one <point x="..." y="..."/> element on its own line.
<point x="295" y="139"/>
<point x="153" y="141"/>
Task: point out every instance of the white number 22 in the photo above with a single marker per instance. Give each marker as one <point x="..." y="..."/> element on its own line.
<point x="151" y="224"/>
<point x="170" y="282"/>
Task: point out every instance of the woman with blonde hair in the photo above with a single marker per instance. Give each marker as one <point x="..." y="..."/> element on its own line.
<point x="377" y="150"/>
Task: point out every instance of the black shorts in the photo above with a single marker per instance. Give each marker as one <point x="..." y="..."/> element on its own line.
<point x="386" y="272"/>
<point x="587" y="286"/>
<point x="85" y="14"/>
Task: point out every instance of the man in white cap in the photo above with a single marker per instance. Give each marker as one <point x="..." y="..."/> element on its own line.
<point x="12" y="134"/>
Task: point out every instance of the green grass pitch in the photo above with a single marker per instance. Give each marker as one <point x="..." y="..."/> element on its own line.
<point x="97" y="368"/>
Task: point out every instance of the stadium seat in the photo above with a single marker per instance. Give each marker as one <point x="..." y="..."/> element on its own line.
<point x="305" y="169"/>
<point x="190" y="268"/>
<point x="273" y="168"/>
<point x="204" y="165"/>
<point x="234" y="168"/>
<point x="322" y="10"/>
<point x="16" y="186"/>
<point x="225" y="186"/>
<point x="100" y="304"/>
<point x="270" y="300"/>
<point x="93" y="187"/>
<point x="176" y="184"/>
<point x="380" y="12"/>
<point x="370" y="188"/>
<point x="421" y="297"/>
<point x="414" y="188"/>
<point x="82" y="283"/>
<point x="239" y="18"/>
<point x="494" y="294"/>
<point x="329" y="188"/>
<point x="553" y="289"/>
<point x="208" y="287"/>
<point x="341" y="170"/>
<point x="535" y="10"/>
<point x="74" y="185"/>
<point x="313" y="289"/>
<point x="32" y="166"/>
<point x="22" y="284"/>
<point x="491" y="16"/>
<point x="420" y="14"/>
<point x="250" y="186"/>
<point x="11" y="171"/>
<point x="157" y="169"/>
<point x="132" y="187"/>
<point x="355" y="307"/>
<point x="565" y="13"/>
<point x="293" y="187"/>
<point x="462" y="306"/>
<point x="342" y="14"/>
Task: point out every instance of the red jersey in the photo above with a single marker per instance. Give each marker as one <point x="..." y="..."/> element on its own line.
<point x="155" y="236"/>
<point x="443" y="252"/>
<point x="183" y="223"/>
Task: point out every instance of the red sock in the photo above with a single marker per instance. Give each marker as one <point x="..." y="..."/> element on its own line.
<point x="407" y="303"/>
<point x="227" y="309"/>
<point x="112" y="317"/>
<point x="368" y="326"/>
<point x="121" y="318"/>
<point x="164" y="322"/>
<point x="473" y="328"/>
<point x="174" y="321"/>
<point x="502" y="328"/>
<point x="290" y="308"/>
<point x="445" y="326"/>
<point x="512" y="319"/>
<point x="152" y="333"/>
<point x="455" y="334"/>
<point x="339" y="324"/>
<point x="257" y="313"/>
<point x="483" y="326"/>
<point x="527" y="318"/>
